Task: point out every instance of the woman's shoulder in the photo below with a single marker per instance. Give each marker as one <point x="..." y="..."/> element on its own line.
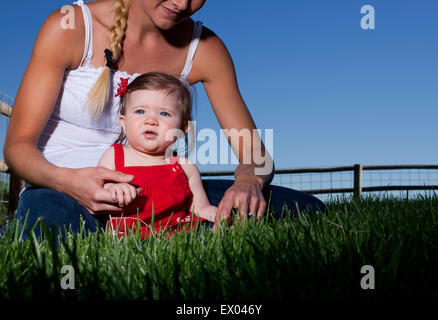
<point x="64" y="28"/>
<point x="63" y="32"/>
<point x="212" y="55"/>
<point x="210" y="41"/>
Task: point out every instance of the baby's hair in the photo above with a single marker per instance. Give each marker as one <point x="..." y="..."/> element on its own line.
<point x="98" y="96"/>
<point x="164" y="82"/>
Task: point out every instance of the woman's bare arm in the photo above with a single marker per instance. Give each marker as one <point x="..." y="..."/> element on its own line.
<point x="36" y="97"/>
<point x="219" y="79"/>
<point x="55" y="50"/>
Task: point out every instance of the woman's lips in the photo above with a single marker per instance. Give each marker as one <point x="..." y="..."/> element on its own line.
<point x="170" y="13"/>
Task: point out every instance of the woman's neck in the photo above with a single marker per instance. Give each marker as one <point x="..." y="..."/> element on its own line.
<point x="140" y="25"/>
<point x="141" y="29"/>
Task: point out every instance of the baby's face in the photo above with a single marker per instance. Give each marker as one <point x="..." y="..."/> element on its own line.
<point x="151" y="121"/>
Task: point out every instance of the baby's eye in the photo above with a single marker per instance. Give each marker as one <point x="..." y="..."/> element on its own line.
<point x="139" y="111"/>
<point x="164" y="113"/>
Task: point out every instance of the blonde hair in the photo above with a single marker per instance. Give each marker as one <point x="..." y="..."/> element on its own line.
<point x="98" y="96"/>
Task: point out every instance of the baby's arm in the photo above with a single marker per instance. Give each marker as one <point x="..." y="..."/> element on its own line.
<point x="123" y="193"/>
<point x="200" y="204"/>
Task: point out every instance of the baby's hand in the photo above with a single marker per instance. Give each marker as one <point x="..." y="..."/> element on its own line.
<point x="123" y="193"/>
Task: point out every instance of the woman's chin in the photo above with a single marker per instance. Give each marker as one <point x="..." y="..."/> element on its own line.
<point x="164" y="23"/>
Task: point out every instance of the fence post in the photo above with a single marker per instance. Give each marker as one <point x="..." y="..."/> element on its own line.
<point x="16" y="184"/>
<point x="357" y="181"/>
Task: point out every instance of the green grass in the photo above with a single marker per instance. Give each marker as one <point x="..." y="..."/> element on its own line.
<point x="310" y="257"/>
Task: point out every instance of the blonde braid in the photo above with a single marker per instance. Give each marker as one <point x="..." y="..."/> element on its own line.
<point x="98" y="95"/>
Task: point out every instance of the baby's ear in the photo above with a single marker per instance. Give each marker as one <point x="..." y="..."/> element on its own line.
<point x="122" y="122"/>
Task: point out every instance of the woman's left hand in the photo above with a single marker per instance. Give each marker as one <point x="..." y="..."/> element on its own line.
<point x="246" y="196"/>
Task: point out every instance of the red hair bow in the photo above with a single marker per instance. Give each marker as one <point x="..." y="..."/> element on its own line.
<point x="122" y="87"/>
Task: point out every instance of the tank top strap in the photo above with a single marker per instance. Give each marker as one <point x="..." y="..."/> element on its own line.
<point x="197" y="30"/>
<point x="88" y="49"/>
<point x="119" y="156"/>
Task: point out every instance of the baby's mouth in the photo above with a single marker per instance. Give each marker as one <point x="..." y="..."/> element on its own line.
<point x="150" y="133"/>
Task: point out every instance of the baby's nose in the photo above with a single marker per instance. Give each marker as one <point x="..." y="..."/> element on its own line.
<point x="151" y="119"/>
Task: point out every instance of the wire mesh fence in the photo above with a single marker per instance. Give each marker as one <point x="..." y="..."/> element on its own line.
<point x="4" y="193"/>
<point x="5" y="103"/>
<point x="376" y="181"/>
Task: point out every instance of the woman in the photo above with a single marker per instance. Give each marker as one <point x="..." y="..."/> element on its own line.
<point x="63" y="120"/>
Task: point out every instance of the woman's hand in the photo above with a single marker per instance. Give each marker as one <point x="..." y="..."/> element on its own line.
<point x="246" y="196"/>
<point x="86" y="185"/>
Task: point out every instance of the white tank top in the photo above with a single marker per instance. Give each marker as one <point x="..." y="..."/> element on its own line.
<point x="71" y="137"/>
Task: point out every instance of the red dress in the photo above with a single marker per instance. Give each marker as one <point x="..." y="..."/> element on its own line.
<point x="166" y="193"/>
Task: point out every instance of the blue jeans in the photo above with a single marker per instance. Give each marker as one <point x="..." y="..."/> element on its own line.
<point x="278" y="197"/>
<point x="60" y="210"/>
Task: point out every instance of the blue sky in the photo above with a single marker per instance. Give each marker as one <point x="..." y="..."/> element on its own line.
<point x="333" y="93"/>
